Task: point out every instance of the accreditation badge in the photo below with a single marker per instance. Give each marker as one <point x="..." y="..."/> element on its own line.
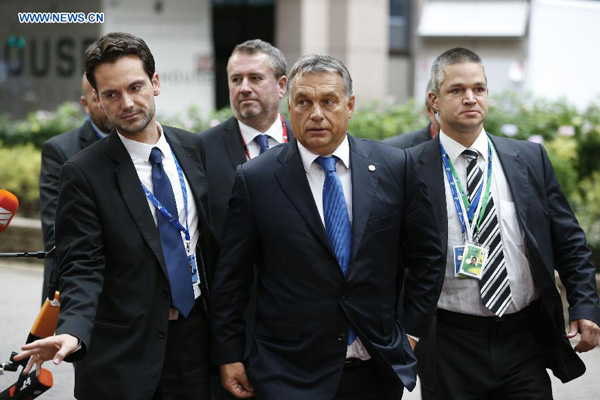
<point x="193" y="268"/>
<point x="473" y="261"/>
<point x="458" y="256"/>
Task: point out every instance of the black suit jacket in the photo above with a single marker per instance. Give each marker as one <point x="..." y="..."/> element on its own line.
<point x="553" y="241"/>
<point x="114" y="286"/>
<point x="222" y="149"/>
<point x="410" y="139"/>
<point x="55" y="152"/>
<point x="305" y="304"/>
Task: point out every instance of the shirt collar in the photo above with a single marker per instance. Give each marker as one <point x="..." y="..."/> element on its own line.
<point x="455" y="149"/>
<point x="342" y="152"/>
<point x="141" y="151"/>
<point x="275" y="131"/>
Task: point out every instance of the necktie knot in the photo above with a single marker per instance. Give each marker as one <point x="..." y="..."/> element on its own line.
<point x="470" y="155"/>
<point x="327" y="163"/>
<point x="263" y="142"/>
<point x="155" y="156"/>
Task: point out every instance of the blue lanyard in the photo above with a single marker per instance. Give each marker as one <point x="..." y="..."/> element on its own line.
<point x="461" y="202"/>
<point x="174" y="221"/>
<point x="98" y="132"/>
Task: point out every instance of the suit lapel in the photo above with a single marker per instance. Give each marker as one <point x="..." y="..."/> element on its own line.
<point x="87" y="135"/>
<point x="515" y="171"/>
<point x="187" y="156"/>
<point x="133" y="195"/>
<point x="234" y="144"/>
<point x="291" y="176"/>
<point x="364" y="188"/>
<point x="430" y="169"/>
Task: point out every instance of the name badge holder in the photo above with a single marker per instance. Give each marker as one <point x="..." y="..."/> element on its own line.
<point x="191" y="254"/>
<point x="469" y="259"/>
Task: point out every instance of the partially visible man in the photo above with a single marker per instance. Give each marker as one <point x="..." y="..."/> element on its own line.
<point x="331" y="223"/>
<point x="498" y="200"/>
<point x="257" y="83"/>
<point x="256" y="76"/>
<point x="134" y="245"/>
<point x="423" y="135"/>
<point x="55" y="152"/>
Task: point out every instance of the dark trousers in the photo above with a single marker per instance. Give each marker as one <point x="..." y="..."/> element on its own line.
<point x="185" y="369"/>
<point x="505" y="362"/>
<point x="362" y="380"/>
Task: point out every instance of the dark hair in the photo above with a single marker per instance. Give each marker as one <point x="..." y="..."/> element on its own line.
<point x="112" y="46"/>
<point x="457" y="55"/>
<point x="276" y="58"/>
<point x="312" y="63"/>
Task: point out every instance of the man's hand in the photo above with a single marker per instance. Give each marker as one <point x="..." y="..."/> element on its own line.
<point x="412" y="342"/>
<point x="54" y="348"/>
<point x="235" y="381"/>
<point x="590" y="334"/>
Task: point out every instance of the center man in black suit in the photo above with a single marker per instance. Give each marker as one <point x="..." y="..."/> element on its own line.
<point x="498" y="200"/>
<point x="134" y="245"/>
<point x="331" y="223"/>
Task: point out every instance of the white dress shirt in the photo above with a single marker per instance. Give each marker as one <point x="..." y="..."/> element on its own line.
<point x="275" y="134"/>
<point x="316" y="180"/>
<point x="462" y="294"/>
<point x="140" y="154"/>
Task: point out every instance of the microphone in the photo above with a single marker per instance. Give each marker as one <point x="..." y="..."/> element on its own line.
<point x="29" y="387"/>
<point x="8" y="208"/>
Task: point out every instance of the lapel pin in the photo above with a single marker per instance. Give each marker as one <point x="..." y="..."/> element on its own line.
<point x="371" y="168"/>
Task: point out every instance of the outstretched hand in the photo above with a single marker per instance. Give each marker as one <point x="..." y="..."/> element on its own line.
<point x="590" y="334"/>
<point x="54" y="348"/>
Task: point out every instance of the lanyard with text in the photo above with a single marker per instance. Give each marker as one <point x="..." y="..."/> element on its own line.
<point x="284" y="136"/>
<point x="466" y="210"/>
<point x="166" y="212"/>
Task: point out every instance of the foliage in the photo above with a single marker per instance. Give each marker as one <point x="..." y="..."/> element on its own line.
<point x="193" y="121"/>
<point x="19" y="174"/>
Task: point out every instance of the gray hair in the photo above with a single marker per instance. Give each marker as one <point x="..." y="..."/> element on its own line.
<point x="457" y="55"/>
<point x="311" y="63"/>
<point x="276" y="59"/>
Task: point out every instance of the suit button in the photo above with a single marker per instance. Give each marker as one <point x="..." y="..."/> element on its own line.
<point x="165" y="293"/>
<point x="341" y="337"/>
<point x="343" y="298"/>
<point x="162" y="334"/>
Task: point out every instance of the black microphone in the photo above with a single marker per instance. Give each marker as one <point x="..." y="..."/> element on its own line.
<point x="28" y="387"/>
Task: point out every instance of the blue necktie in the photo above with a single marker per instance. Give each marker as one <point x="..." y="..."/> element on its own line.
<point x="263" y="142"/>
<point x="337" y="220"/>
<point x="178" y="268"/>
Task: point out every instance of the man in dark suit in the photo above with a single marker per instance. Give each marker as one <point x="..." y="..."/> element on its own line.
<point x="55" y="152"/>
<point x="423" y="135"/>
<point x="257" y="82"/>
<point x="329" y="248"/>
<point x="499" y="199"/>
<point x="134" y="245"/>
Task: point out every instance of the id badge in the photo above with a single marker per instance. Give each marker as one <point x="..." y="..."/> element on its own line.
<point x="193" y="268"/>
<point x="458" y="256"/>
<point x="473" y="261"/>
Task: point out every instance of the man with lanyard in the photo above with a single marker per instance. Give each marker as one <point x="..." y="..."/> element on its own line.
<point x="257" y="83"/>
<point x="499" y="206"/>
<point x="134" y="245"/>
<point x="55" y="152"/>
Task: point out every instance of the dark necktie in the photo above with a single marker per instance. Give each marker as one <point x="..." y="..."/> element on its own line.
<point x="337" y="220"/>
<point x="494" y="286"/>
<point x="178" y="268"/>
<point x="263" y="142"/>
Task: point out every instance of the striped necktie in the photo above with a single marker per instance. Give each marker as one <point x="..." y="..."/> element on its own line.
<point x="493" y="286"/>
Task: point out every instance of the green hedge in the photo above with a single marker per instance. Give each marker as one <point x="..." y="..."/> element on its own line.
<point x="571" y="137"/>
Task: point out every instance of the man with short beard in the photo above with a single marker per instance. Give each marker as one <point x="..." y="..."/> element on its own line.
<point x="134" y="245"/>
<point x="55" y="152"/>
<point x="256" y="79"/>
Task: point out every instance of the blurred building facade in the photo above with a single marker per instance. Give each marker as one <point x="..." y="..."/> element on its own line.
<point x="543" y="46"/>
